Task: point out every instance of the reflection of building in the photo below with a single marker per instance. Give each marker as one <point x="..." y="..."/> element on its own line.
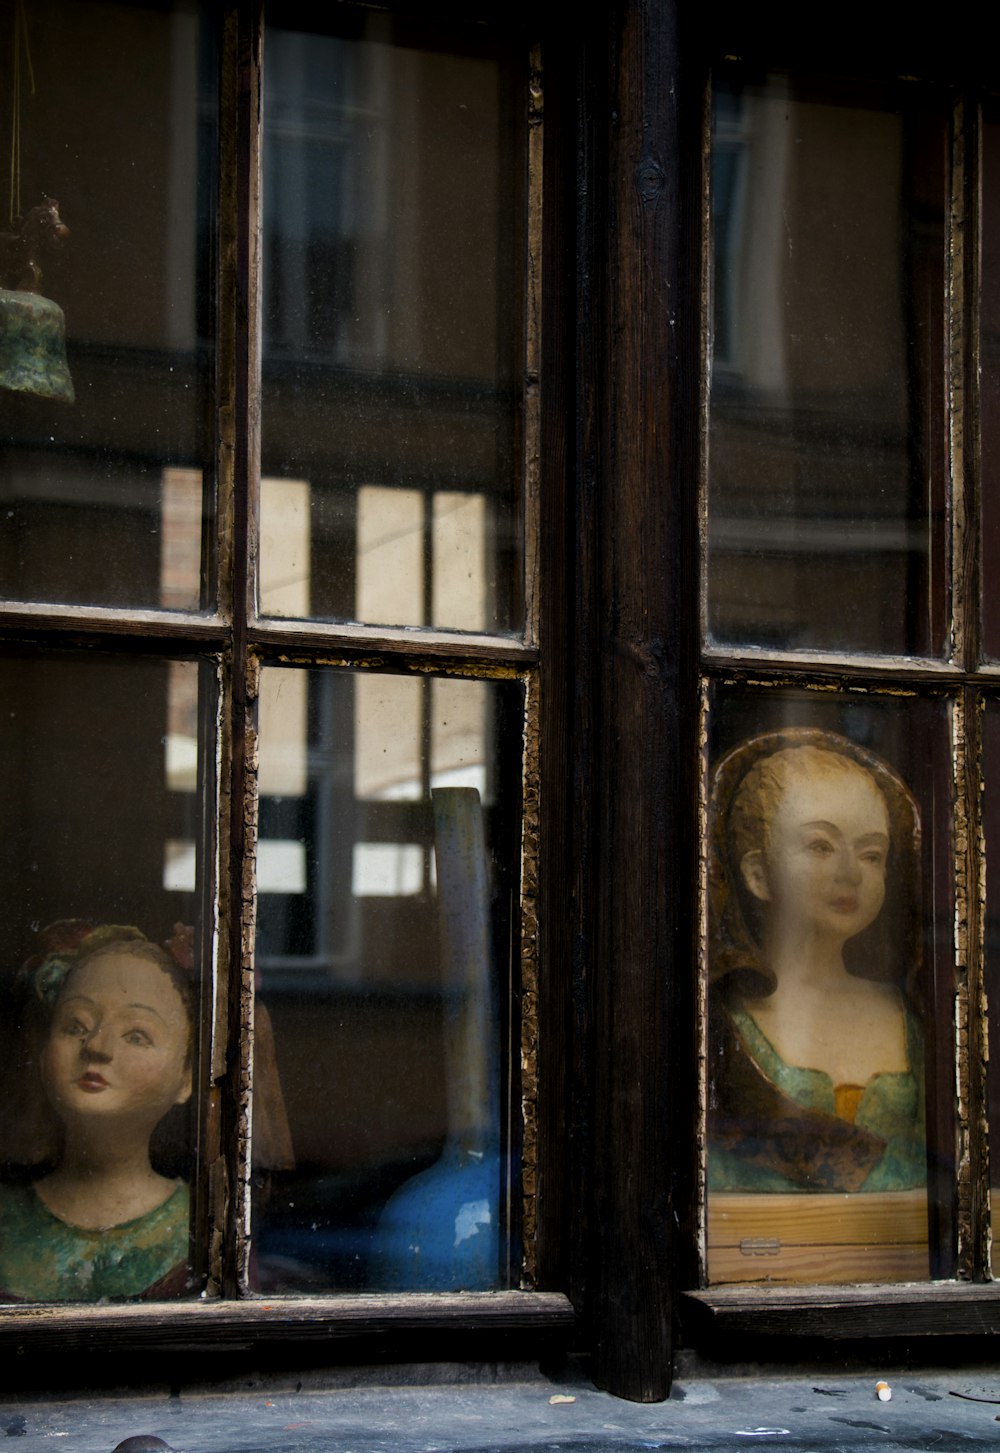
<point x="828" y="217"/>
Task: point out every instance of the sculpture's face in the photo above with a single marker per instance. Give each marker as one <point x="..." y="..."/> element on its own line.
<point x="823" y="866"/>
<point x="119" y="1042"/>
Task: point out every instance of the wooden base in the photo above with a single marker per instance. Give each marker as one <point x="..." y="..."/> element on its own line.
<point x="817" y="1238"/>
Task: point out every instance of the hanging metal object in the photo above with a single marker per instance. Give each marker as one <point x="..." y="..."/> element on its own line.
<point x="32" y="328"/>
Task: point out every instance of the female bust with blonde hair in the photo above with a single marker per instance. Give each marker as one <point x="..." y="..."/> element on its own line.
<point x="816" y="1057"/>
<point x="115" y="1060"/>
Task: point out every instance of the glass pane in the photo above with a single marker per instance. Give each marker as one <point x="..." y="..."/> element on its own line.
<point x="989" y="354"/>
<point x="388" y="855"/>
<point x="392" y="334"/>
<point x="831" y="1089"/>
<point x="101" y="494"/>
<point x="825" y="493"/>
<point x="99" y="871"/>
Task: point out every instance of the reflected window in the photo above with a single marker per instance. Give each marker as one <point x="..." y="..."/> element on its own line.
<point x="392" y="324"/>
<point x="826" y="458"/>
<point x="386" y="978"/>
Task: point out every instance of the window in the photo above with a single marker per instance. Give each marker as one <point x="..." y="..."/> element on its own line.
<point x="833" y="478"/>
<point x="847" y="683"/>
<point x="270" y="669"/>
<point x="407" y="597"/>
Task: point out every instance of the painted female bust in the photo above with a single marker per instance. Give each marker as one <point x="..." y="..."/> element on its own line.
<point x="816" y="1073"/>
<point x="115" y="1059"/>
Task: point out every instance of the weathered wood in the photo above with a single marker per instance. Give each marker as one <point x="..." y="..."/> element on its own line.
<point x="561" y="1078"/>
<point x="924" y="1309"/>
<point x="644" y="691"/>
<point x="967" y="588"/>
<point x="239" y="753"/>
<point x="826" y="669"/>
<point x="875" y="1218"/>
<point x="786" y="1237"/>
<point x="20" y="618"/>
<point x="398" y="646"/>
<point x="823" y="1264"/>
<point x="221" y="1326"/>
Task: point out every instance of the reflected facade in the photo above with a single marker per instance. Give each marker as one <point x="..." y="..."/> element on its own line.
<point x="825" y="459"/>
<point x="392" y="327"/>
<point x="388" y="835"/>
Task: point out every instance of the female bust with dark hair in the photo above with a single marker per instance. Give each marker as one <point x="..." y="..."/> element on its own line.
<point x="816" y="1072"/>
<point x="116" y="1058"/>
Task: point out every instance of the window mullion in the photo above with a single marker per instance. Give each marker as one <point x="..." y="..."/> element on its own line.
<point x="973" y="1182"/>
<point x="239" y="690"/>
<point x="964" y="451"/>
<point x="958" y="516"/>
<point x="962" y="275"/>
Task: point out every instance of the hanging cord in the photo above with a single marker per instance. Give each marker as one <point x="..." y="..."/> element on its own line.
<point x="20" y="43"/>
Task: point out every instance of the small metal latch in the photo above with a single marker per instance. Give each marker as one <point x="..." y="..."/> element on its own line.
<point x="760" y="1246"/>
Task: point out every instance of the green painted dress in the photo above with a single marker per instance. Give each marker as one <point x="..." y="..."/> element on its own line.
<point x="44" y="1259"/>
<point x="774" y="1126"/>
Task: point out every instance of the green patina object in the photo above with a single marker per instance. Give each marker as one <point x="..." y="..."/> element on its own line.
<point x="45" y="1259"/>
<point x="891" y="1113"/>
<point x="33" y="346"/>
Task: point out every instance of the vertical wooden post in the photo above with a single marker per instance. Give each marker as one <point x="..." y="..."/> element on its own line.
<point x="644" y="618"/>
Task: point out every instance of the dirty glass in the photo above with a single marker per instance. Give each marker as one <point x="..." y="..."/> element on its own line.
<point x="391" y="327"/>
<point x="105" y="370"/>
<point x="831" y="1121"/>
<point x="825" y="455"/>
<point x="387" y="881"/>
<point x="101" y="880"/>
<point x="385" y="876"/>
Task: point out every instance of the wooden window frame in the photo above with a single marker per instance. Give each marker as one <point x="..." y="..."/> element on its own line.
<point x="969" y="1303"/>
<point x="241" y="643"/>
<point x="612" y="1150"/>
<point x="636" y="81"/>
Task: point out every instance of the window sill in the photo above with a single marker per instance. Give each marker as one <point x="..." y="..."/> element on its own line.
<point x="913" y="1309"/>
<point x="233" y="1325"/>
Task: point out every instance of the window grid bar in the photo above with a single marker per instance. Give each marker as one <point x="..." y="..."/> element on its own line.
<point x="963" y="398"/>
<point x="521" y="1047"/>
<point x="973" y="1189"/>
<point x="962" y="513"/>
<point x="211" y="1179"/>
<point x="531" y="452"/>
<point x="404" y="642"/>
<point x="916" y="674"/>
<point x="701" y="1000"/>
<point x="162" y="625"/>
<point x="973" y="484"/>
<point x="238" y="856"/>
<point x="705" y="355"/>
